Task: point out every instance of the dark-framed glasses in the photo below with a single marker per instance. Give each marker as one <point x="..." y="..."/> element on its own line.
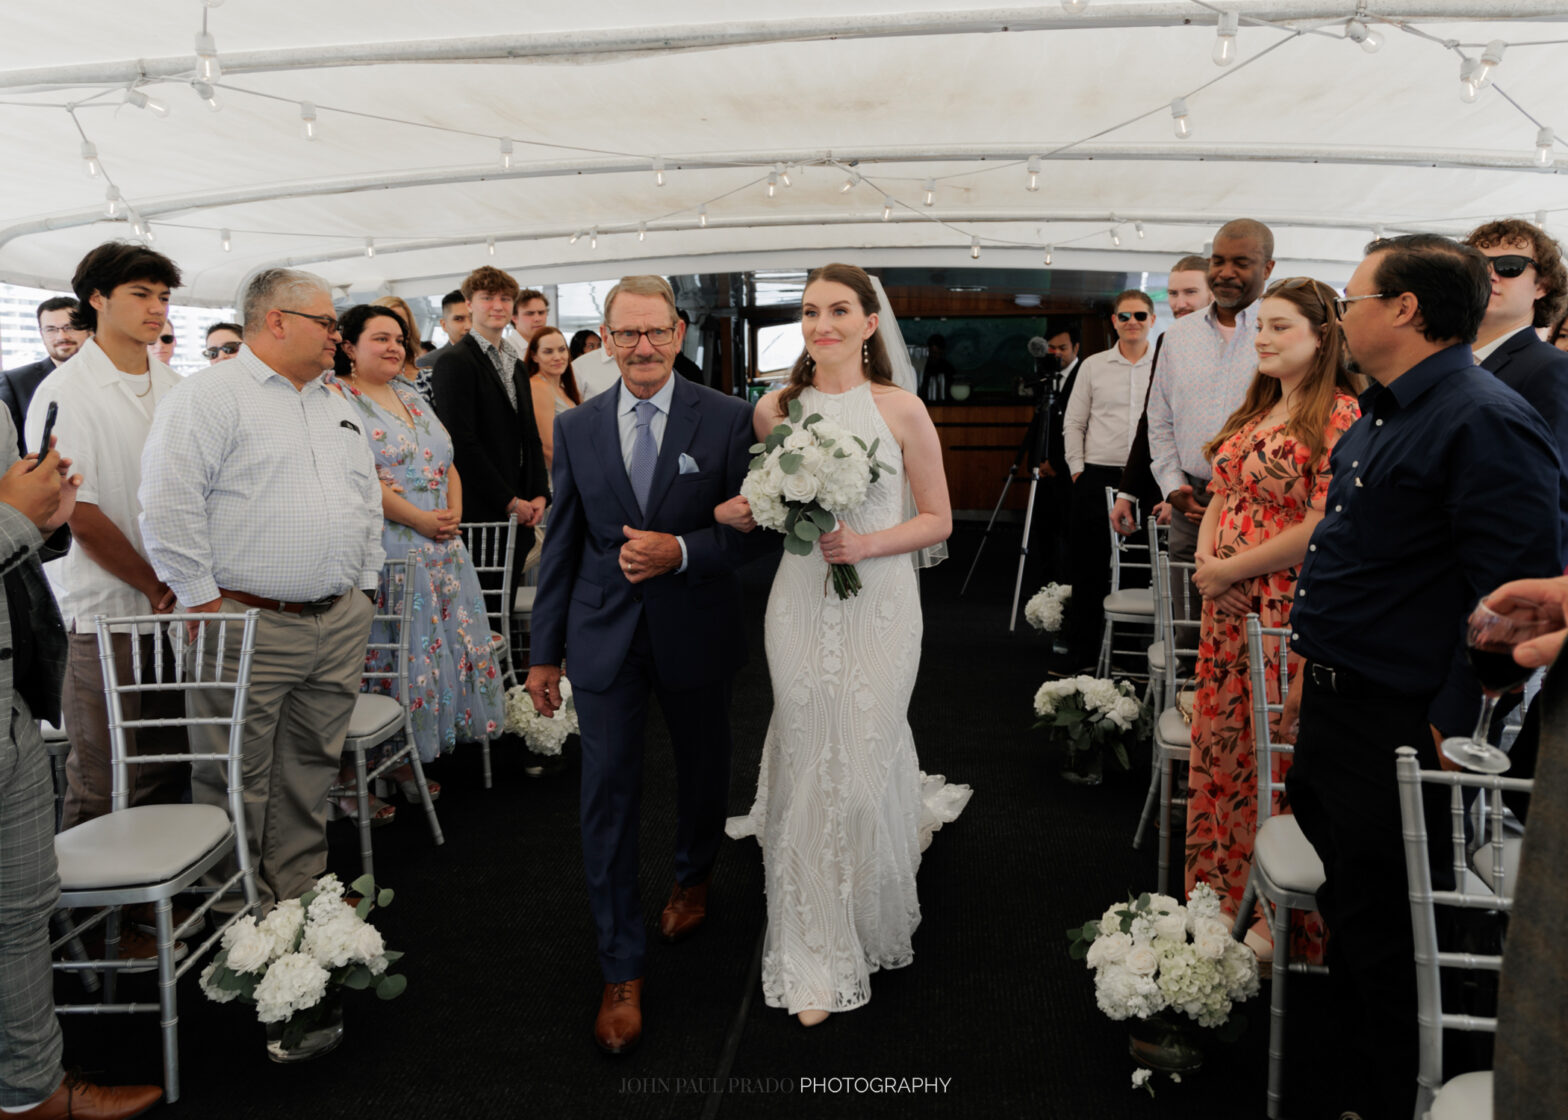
<point x="1510" y="265"/>
<point x="327" y="321"/>
<point x="229" y="348"/>
<point x="659" y="336"/>
<point x="166" y="339"/>
<point x="1124" y="316"/>
<point x="1342" y="303"/>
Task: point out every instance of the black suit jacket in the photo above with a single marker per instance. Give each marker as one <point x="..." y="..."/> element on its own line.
<point x="1057" y="459"/>
<point x="17" y="387"/>
<point x="1138" y="474"/>
<point x="495" y="447"/>
<point x="1538" y="372"/>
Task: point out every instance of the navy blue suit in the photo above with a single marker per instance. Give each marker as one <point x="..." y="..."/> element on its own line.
<point x="16" y="391"/>
<point x="678" y="636"/>
<point x="1538" y="372"/>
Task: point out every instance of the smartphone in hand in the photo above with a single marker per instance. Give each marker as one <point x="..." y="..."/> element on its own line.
<point x="43" y="446"/>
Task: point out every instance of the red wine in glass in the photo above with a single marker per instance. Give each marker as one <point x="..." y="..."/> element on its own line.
<point x="1490" y="639"/>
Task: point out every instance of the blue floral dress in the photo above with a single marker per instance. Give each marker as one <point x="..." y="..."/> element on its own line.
<point x="458" y="693"/>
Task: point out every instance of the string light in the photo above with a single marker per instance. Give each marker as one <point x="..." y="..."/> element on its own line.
<point x="702" y="215"/>
<point x="593" y="239"/>
<point x="370" y="246"/>
<point x="1540" y="218"/>
<point x="1491" y="58"/>
<point x="1544" y="140"/>
<point x="1469" y="80"/>
<point x="1033" y="168"/>
<point x="207" y="66"/>
<point x="930" y="188"/>
<point x="658" y="171"/>
<point x="783" y="173"/>
<point x="141" y="100"/>
<point x="1225" y="39"/>
<point x="642" y="231"/>
<point x="225" y="240"/>
<point x="849" y="184"/>
<point x="1377" y="232"/>
<point x="974" y="248"/>
<point x="1050" y="252"/>
<point x="506" y="153"/>
<point x="773" y="183"/>
<point x="1116" y="237"/>
<point x="576" y="234"/>
<point x="490" y="245"/>
<point x="208" y="95"/>
<point x="1139" y="227"/>
<point x="887" y="207"/>
<point x="1179" y="115"/>
<point x="90" y="157"/>
<point x="307" y="114"/>
<point x="1074" y="7"/>
<point x="112" y="207"/>
<point x="1358" y="32"/>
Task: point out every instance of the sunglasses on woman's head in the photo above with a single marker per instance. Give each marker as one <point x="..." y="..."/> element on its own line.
<point x="1123" y="316"/>
<point x="229" y="348"/>
<point x="1510" y="265"/>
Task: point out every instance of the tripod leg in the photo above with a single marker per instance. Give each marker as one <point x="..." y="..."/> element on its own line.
<point x="1023" y="549"/>
<point x="1012" y="476"/>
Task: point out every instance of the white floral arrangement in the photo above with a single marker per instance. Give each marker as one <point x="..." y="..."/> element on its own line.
<point x="1047" y="607"/>
<point x="287" y="962"/>
<point x="1152" y="954"/>
<point x="1089" y="713"/>
<point x="803" y="476"/>
<point x="543" y="734"/>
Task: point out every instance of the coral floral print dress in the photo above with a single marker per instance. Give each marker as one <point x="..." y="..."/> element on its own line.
<point x="1265" y="486"/>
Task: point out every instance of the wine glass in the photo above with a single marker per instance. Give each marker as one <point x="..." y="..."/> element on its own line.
<point x="1490" y="639"/>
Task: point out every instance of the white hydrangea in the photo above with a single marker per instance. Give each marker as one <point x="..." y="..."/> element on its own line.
<point x="1202" y="902"/>
<point x="543" y="735"/>
<point x="1123" y="994"/>
<point x="214" y="993"/>
<point x="283" y="924"/>
<point x="293" y="983"/>
<point x="1046" y="608"/>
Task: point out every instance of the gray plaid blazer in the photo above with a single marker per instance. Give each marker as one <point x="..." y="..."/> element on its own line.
<point x="20" y="546"/>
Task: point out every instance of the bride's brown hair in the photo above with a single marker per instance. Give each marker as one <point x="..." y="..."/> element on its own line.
<point x="879" y="369"/>
<point x="1326" y="377"/>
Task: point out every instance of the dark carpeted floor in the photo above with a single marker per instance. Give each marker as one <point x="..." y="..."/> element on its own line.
<point x="503" y="980"/>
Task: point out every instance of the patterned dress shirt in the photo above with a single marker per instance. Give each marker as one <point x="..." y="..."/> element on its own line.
<point x="251" y="485"/>
<point x="1200" y="380"/>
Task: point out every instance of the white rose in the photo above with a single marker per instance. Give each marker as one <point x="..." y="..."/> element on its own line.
<point x="798" y="439"/>
<point x="249" y="948"/>
<point x="1142" y="960"/>
<point x="1211" y="939"/>
<point x="800" y="487"/>
<point x="1172" y="925"/>
<point x="1108" y="948"/>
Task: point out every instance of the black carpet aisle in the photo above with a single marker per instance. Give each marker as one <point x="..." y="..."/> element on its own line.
<point x="503" y="980"/>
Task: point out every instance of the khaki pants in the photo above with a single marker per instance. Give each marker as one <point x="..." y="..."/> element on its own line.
<point x="305" y="675"/>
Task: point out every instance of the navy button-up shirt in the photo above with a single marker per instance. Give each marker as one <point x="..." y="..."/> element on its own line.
<point x="1445" y="488"/>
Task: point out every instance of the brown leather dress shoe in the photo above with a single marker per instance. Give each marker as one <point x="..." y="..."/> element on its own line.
<point x="687" y="907"/>
<point x="82" y="1100"/>
<point x="618" y="1028"/>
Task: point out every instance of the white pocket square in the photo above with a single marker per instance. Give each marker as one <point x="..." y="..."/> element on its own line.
<point x="688" y="464"/>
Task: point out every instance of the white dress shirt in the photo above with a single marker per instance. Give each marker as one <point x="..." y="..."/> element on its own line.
<point x="626" y="419"/>
<point x="251" y="485"/>
<point x="101" y="427"/>
<point x="595" y="372"/>
<point x="1102" y="413"/>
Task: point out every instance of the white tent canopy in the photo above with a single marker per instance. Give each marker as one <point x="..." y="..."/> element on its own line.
<point x="416" y="105"/>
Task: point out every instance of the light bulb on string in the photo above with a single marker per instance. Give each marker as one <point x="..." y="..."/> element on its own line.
<point x="490" y="245"/>
<point x="1491" y="58"/>
<point x="1032" y="183"/>
<point x="1116" y="237"/>
<point x="642" y="231"/>
<point x="974" y="248"/>
<point x="370" y="246"/>
<point x="112" y="203"/>
<point x="1469" y="80"/>
<point x="593" y="239"/>
<point x="887" y="207"/>
<point x="658" y="171"/>
<point x="1074" y="7"/>
<point x="1544" y="141"/>
<point x="307" y="115"/>
<point x="208" y="95"/>
<point x="90" y="158"/>
<point x="782" y="172"/>
<point x="930" y="189"/>
<point x="849" y="183"/>
<point x="506" y="153"/>
<point x="1377" y="232"/>
<point x="1225" y="39"/>
<point x="1358" y="32"/>
<point x="702" y="215"/>
<point x="207" y="66"/>
<point x="576" y="234"/>
<point x="1138" y="226"/>
<point x="141" y="100"/>
<point x="1050" y="253"/>
<point x="773" y="183"/>
<point x="226" y="240"/>
<point x="1540" y="219"/>
<point x="1179" y="115"/>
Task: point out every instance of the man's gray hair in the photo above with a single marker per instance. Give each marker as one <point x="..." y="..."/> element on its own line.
<point x="278" y="287"/>
<point x="641" y="286"/>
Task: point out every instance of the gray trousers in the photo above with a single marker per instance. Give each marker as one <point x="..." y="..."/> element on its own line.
<point x="29" y="893"/>
<point x="304" y="676"/>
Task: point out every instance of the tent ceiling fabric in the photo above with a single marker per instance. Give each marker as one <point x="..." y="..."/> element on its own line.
<point x="1306" y="131"/>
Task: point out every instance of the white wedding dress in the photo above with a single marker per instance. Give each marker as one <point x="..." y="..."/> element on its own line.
<point x="842" y="809"/>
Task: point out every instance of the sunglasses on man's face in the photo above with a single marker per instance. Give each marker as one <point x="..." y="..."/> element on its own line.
<point x="212" y="352"/>
<point x="166" y="339"/>
<point x="1510" y="265"/>
<point x="1123" y="316"/>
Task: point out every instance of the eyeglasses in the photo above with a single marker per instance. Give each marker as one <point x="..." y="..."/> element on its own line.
<point x="166" y="339"/>
<point x="326" y="321"/>
<point x="659" y="336"/>
<point x="1123" y="316"/>
<point x="1342" y="303"/>
<point x="1510" y="265"/>
<point x="51" y="332"/>
<point x="229" y="348"/>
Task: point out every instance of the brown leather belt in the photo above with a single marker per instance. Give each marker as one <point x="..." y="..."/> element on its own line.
<point x="315" y="607"/>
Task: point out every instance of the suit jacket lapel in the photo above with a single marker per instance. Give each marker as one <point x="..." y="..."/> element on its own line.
<point x="1498" y="359"/>
<point x="605" y="436"/>
<point x="679" y="428"/>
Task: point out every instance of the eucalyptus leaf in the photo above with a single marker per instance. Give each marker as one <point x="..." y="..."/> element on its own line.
<point x="796" y="411"/>
<point x="756" y="448"/>
<point x="384" y="897"/>
<point x="358" y="978"/>
<point x="390" y="987"/>
<point x="776" y="438"/>
<point x="812" y="419"/>
<point x="363" y="909"/>
<point x="796" y="546"/>
<point x="364" y="885"/>
<point x="807" y="530"/>
<point x="824" y="520"/>
<point x="790" y="461"/>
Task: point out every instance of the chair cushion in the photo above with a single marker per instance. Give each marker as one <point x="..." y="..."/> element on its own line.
<point x="1157" y="657"/>
<point x="1137" y="600"/>
<point x="523" y="602"/>
<point x="1466" y="1097"/>
<point x="1172" y="731"/>
<point x="142" y="844"/>
<point x="375" y="716"/>
<point x="1288" y="858"/>
<point x="1482" y="861"/>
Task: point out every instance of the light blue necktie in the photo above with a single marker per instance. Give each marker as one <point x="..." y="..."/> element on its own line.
<point x="645" y="453"/>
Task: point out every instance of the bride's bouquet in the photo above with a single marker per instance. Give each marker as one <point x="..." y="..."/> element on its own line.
<point x="803" y="476"/>
<point x="543" y="734"/>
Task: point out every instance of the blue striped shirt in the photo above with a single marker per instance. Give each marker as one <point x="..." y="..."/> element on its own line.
<point x="251" y="485"/>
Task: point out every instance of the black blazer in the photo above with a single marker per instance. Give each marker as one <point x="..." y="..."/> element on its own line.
<point x="1538" y="372"/>
<point x="487" y="433"/>
<point x="17" y="387"/>
<point x="1138" y="474"/>
<point x="1058" y="414"/>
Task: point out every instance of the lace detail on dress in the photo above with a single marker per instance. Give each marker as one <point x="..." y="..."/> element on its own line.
<point x="842" y="809"/>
